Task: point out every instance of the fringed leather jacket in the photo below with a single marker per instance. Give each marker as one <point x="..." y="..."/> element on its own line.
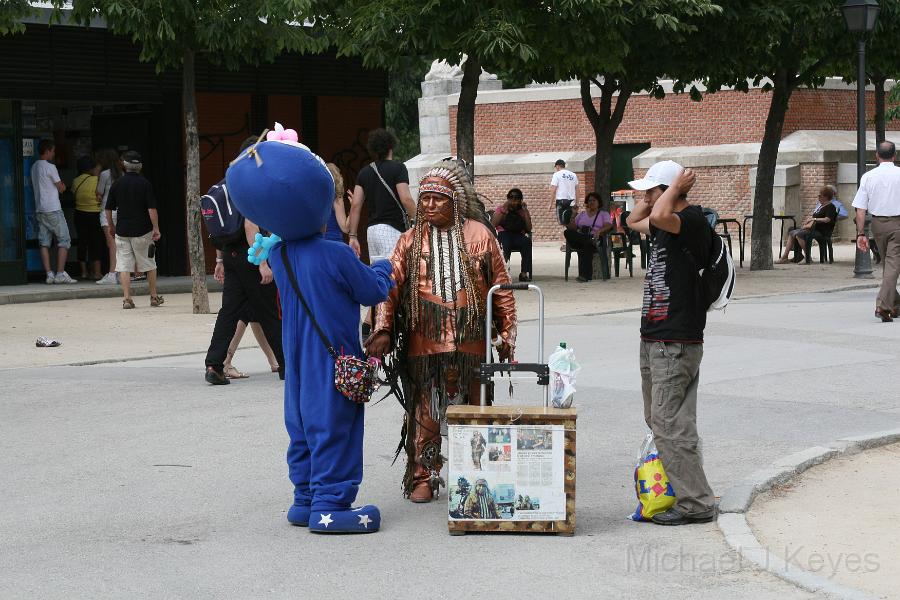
<point x="444" y="321"/>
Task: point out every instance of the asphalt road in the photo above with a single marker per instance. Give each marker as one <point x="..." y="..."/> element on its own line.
<point x="138" y="480"/>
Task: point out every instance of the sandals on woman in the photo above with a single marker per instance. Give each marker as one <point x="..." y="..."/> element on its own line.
<point x="232" y="373"/>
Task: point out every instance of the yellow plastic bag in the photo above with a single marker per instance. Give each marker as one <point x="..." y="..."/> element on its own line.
<point x="654" y="492"/>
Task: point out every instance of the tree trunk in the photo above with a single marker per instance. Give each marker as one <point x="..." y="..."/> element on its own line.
<point x="605" y="123"/>
<point x="761" y="241"/>
<point x="879" y="81"/>
<point x="465" y="112"/>
<point x="199" y="293"/>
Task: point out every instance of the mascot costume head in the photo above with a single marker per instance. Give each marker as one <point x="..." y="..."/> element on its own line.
<point x="283" y="187"/>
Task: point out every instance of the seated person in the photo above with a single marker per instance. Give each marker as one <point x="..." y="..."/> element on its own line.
<point x="583" y="232"/>
<point x="821" y="223"/>
<point x="513" y="224"/>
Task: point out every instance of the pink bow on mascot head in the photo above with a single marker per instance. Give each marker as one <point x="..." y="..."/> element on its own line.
<point x="282" y="134"/>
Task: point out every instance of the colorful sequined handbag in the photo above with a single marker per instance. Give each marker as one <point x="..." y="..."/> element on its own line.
<point x="353" y="377"/>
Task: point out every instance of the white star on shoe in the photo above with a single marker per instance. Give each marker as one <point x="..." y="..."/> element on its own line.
<point x="326" y="520"/>
<point x="364" y="520"/>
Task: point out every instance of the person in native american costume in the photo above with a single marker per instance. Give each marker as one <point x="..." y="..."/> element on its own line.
<point x="478" y="445"/>
<point x="435" y="317"/>
<point x="480" y="503"/>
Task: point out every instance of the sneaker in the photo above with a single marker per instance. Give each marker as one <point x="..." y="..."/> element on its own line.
<point x="108" y="279"/>
<point x="63" y="277"/>
<point x="216" y="377"/>
<point x="141" y="277"/>
<point x="51" y="278"/>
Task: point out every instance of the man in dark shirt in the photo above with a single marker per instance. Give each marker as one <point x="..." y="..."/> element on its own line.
<point x="136" y="228"/>
<point x="672" y="321"/>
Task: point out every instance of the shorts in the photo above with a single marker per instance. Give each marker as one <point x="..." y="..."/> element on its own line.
<point x="382" y="239"/>
<point x="103" y="221"/>
<point x="565" y="209"/>
<point x="50" y="225"/>
<point x="131" y="254"/>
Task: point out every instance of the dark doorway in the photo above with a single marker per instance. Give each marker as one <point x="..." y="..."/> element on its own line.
<point x="621" y="169"/>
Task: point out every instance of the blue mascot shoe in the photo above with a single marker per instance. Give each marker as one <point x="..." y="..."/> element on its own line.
<point x="365" y="519"/>
<point x="298" y="514"/>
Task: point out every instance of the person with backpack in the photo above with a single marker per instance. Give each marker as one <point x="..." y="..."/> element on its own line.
<point x="673" y="317"/>
<point x="513" y="224"/>
<point x="247" y="288"/>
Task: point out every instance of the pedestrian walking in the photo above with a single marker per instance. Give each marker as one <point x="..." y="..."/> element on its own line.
<point x="137" y="228"/>
<point x="248" y="293"/>
<point x="879" y="195"/>
<point x="672" y="322"/>
<point x="563" y="191"/>
<point x="111" y="164"/>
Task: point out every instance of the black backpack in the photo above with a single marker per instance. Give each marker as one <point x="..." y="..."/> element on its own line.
<point x="717" y="276"/>
<point x="224" y="222"/>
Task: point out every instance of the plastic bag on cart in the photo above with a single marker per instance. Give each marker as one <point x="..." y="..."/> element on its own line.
<point x="563" y="372"/>
<point x="654" y="492"/>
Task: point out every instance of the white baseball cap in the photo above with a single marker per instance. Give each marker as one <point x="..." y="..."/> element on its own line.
<point x="661" y="173"/>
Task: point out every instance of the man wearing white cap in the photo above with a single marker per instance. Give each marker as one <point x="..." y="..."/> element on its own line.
<point x="672" y="321"/>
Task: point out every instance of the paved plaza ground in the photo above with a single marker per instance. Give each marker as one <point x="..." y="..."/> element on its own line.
<point x="136" y="479"/>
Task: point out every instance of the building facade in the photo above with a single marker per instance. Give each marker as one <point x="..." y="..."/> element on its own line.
<point x="520" y="133"/>
<point x="87" y="89"/>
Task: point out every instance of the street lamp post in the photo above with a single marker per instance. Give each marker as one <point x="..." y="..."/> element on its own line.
<point x="860" y="16"/>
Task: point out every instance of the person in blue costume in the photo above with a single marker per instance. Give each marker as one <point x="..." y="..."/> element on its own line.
<point x="286" y="189"/>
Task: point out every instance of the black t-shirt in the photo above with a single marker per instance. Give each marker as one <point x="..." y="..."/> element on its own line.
<point x="132" y="195"/>
<point x="672" y="310"/>
<point x="830" y="211"/>
<point x="383" y="209"/>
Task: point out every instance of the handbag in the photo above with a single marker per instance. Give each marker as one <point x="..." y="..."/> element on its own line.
<point x="353" y="377"/>
<point x="406" y="223"/>
<point x="585" y="230"/>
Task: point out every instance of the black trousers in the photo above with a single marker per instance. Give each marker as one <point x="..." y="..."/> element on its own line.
<point x="91" y="241"/>
<point x="516" y="242"/>
<point x="585" y="247"/>
<point x="243" y="295"/>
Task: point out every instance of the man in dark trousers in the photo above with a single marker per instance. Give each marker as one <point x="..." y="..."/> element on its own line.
<point x="672" y="322"/>
<point x="247" y="290"/>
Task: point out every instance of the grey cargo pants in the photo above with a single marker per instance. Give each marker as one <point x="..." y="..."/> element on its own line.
<point x="670" y="373"/>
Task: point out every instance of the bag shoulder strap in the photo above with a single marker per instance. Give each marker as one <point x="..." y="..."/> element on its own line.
<point x="393" y="195"/>
<point x="293" y="278"/>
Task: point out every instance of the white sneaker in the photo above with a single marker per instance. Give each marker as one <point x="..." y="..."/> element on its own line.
<point x="50" y="278"/>
<point x="63" y="277"/>
<point x="108" y="279"/>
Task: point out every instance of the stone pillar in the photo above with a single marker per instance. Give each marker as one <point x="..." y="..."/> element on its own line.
<point x="441" y="81"/>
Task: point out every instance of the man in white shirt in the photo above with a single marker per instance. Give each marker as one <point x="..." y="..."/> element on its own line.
<point x="879" y="195"/>
<point x="563" y="190"/>
<point x="47" y="186"/>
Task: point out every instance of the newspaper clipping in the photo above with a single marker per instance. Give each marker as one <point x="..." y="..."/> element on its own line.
<point x="511" y="472"/>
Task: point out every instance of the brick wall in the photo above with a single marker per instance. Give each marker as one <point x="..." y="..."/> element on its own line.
<point x="725" y="117"/>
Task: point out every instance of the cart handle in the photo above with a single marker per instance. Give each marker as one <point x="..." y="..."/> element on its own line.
<point x="489" y="322"/>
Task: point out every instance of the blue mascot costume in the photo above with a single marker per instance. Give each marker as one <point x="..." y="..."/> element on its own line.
<point x="286" y="189"/>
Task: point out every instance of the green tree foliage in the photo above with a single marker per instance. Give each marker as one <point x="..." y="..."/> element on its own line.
<point x="401" y="107"/>
<point x="629" y="47"/>
<point x="172" y="34"/>
<point x="882" y="64"/>
<point x="779" y="46"/>
<point x="488" y="34"/>
<point x="11" y="14"/>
